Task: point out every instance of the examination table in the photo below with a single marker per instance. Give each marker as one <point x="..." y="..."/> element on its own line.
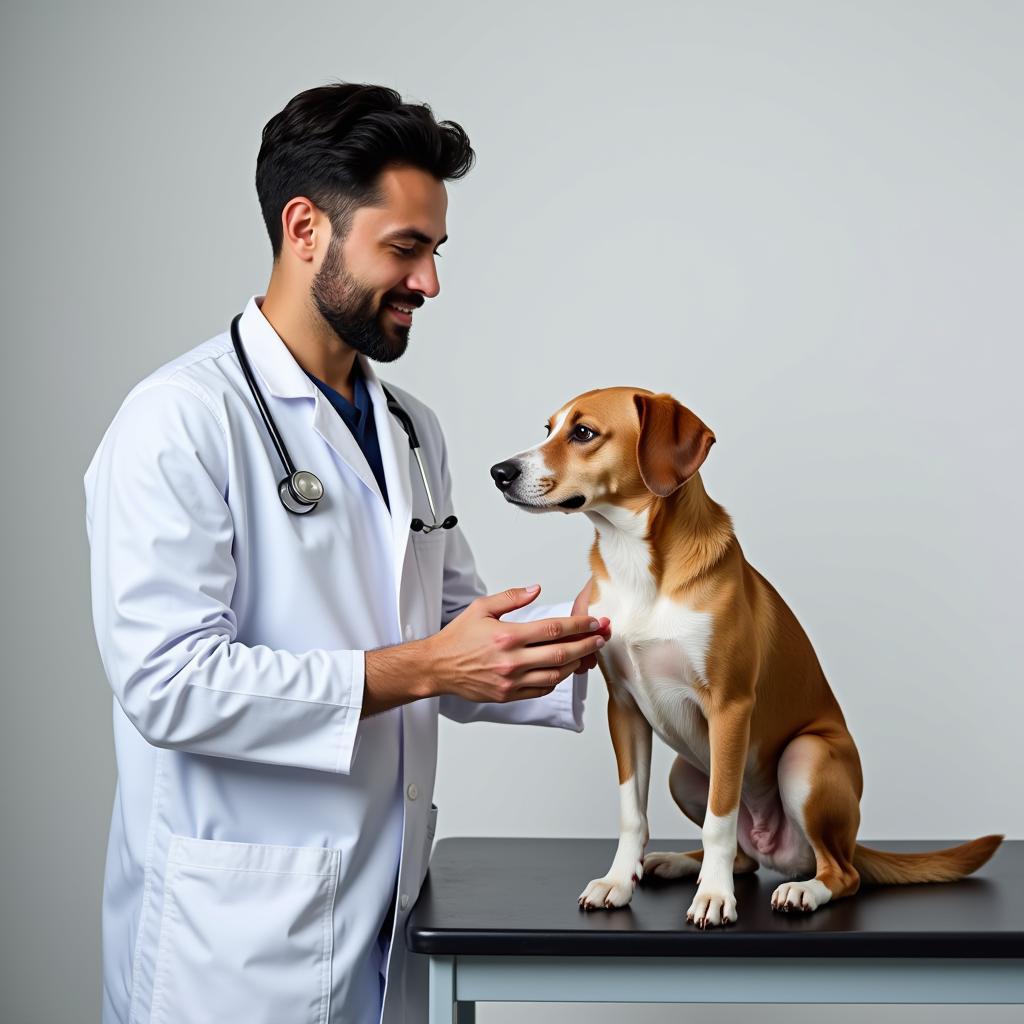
<point x="499" y="920"/>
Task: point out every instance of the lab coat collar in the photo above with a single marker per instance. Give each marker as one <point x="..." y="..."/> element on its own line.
<point x="285" y="378"/>
<point x="395" y="455"/>
<point x="281" y="374"/>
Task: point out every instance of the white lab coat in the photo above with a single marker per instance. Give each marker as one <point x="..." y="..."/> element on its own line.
<point x="260" y="828"/>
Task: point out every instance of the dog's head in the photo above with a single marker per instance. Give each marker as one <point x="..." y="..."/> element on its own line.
<point x="613" y="446"/>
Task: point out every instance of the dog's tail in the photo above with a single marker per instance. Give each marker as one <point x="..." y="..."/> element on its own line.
<point x="883" y="868"/>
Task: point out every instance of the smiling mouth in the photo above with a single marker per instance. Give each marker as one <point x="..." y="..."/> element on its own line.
<point x="403" y="314"/>
<point x="402" y="311"/>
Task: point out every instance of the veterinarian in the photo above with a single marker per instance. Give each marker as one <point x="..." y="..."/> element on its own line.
<point x="270" y="624"/>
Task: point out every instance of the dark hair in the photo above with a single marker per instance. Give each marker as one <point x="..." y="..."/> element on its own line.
<point x="331" y="143"/>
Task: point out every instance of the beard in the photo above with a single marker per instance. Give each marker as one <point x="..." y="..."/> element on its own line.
<point x="354" y="313"/>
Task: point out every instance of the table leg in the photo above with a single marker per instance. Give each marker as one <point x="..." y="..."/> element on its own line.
<point x="465" y="1013"/>
<point x="441" y="972"/>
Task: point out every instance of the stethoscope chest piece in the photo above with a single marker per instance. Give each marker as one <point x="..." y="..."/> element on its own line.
<point x="300" y="492"/>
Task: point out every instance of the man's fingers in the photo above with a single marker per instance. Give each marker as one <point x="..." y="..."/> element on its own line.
<point x="560" y="655"/>
<point x="543" y="680"/>
<point x="546" y="631"/>
<point x="497" y="605"/>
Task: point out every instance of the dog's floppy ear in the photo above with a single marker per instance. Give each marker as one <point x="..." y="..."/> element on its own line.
<point x="672" y="445"/>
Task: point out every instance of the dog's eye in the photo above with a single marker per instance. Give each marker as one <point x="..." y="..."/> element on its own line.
<point x="547" y="429"/>
<point x="582" y="433"/>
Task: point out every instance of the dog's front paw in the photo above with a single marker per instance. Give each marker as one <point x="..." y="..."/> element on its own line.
<point x="608" y="892"/>
<point x="711" y="907"/>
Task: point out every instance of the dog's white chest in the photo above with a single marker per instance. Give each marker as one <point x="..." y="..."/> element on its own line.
<point x="658" y="653"/>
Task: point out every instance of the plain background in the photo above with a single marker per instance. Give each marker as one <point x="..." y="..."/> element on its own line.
<point x="804" y="220"/>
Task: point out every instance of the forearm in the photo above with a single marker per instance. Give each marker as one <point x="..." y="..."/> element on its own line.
<point x="398" y="675"/>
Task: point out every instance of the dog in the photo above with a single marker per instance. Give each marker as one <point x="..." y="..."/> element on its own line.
<point x="705" y="653"/>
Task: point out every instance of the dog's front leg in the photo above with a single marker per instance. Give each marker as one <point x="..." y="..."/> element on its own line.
<point x="631" y="738"/>
<point x="728" y="736"/>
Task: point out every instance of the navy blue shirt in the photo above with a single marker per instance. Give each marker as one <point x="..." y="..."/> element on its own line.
<point x="359" y="419"/>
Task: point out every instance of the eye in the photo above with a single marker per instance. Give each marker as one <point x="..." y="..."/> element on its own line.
<point x="582" y="433"/>
<point x="406" y="251"/>
<point x="547" y="429"/>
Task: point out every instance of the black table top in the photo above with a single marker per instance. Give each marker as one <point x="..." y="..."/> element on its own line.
<point x="518" y="897"/>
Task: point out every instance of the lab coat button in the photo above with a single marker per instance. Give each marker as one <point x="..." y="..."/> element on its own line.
<point x="408" y="631"/>
<point x="404" y="901"/>
<point x="412" y="791"/>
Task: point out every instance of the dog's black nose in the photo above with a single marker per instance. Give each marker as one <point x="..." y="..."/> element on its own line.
<point x="504" y="473"/>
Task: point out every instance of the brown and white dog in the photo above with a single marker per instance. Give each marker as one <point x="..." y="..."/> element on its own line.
<point x="707" y="654"/>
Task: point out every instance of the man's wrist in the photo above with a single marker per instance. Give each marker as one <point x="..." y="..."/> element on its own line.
<point x="399" y="675"/>
<point x="427" y="677"/>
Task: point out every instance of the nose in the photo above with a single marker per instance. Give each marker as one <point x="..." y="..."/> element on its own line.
<point x="424" y="279"/>
<point x="504" y="473"/>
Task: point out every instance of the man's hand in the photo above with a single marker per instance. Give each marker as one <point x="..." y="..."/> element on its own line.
<point x="481" y="658"/>
<point x="581" y="606"/>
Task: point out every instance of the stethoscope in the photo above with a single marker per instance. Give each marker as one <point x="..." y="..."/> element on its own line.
<point x="300" y="490"/>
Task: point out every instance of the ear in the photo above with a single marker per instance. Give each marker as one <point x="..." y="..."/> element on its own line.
<point x="672" y="445"/>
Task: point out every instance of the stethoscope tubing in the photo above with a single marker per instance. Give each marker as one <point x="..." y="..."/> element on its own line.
<point x="279" y="444"/>
<point x="300" y="504"/>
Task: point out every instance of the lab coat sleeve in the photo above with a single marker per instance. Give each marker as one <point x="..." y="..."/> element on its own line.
<point x="563" y="707"/>
<point x="161" y="538"/>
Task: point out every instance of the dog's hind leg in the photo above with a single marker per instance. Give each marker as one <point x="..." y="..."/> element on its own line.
<point x="820" y="785"/>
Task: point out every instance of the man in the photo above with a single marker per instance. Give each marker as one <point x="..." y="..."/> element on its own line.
<point x="278" y="676"/>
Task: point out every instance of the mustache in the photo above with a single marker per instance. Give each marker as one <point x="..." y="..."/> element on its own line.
<point x="406" y="300"/>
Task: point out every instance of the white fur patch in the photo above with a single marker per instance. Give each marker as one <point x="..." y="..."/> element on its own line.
<point x="802" y="896"/>
<point x="715" y="900"/>
<point x="622" y="541"/>
<point x="660" y="644"/>
<point x="533" y="467"/>
<point x="615" y="889"/>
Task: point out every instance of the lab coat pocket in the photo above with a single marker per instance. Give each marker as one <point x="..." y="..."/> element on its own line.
<point x="246" y="934"/>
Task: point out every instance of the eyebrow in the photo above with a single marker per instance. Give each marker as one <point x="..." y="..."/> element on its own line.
<point x="415" y="233"/>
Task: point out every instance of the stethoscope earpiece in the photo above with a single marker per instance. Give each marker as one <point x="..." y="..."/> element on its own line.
<point x="417" y="525"/>
<point x="300" y="490"/>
